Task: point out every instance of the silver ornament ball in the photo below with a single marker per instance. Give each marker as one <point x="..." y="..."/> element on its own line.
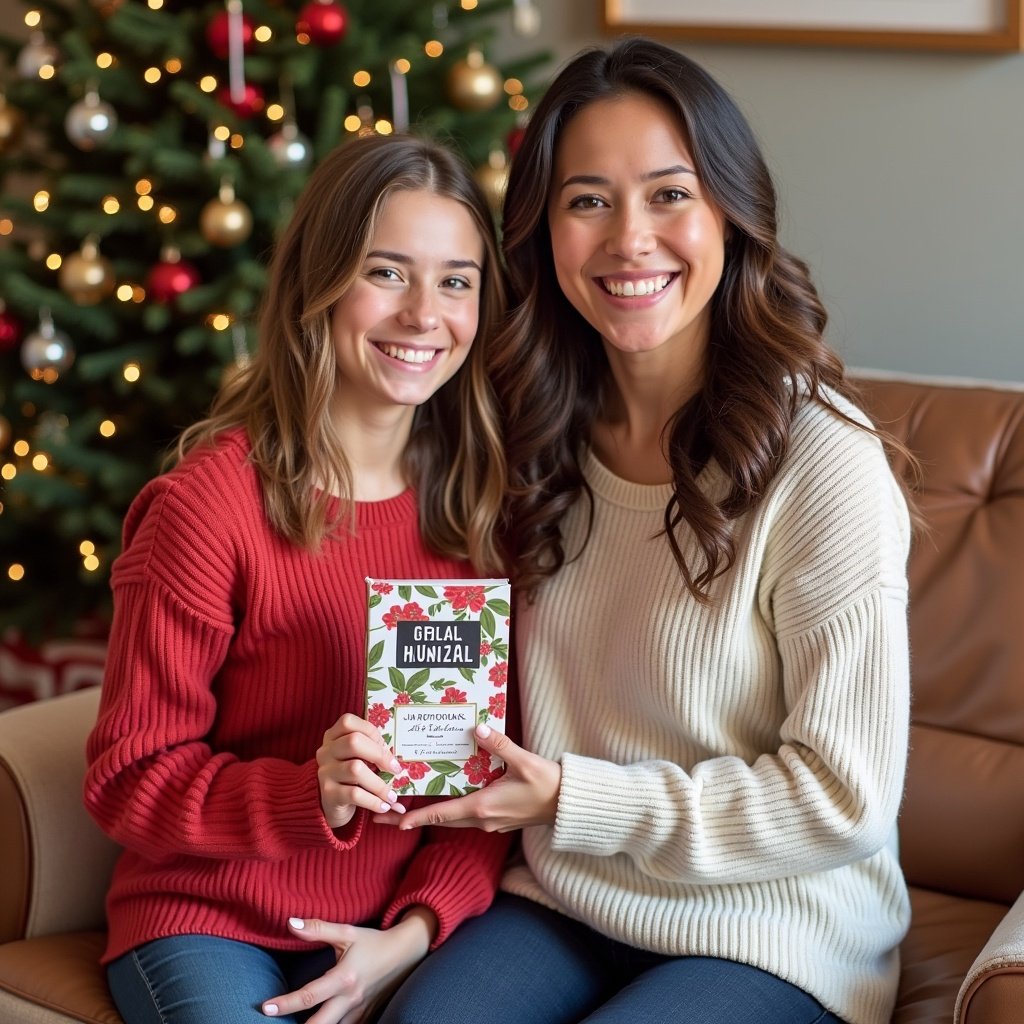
<point x="90" y="122"/>
<point x="290" y="148"/>
<point x="35" y="55"/>
<point x="46" y="353"/>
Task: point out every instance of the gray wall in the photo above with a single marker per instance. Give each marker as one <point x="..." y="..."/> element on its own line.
<point x="901" y="176"/>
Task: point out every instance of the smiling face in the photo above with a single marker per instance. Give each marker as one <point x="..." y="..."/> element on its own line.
<point x="406" y="324"/>
<point x="638" y="247"/>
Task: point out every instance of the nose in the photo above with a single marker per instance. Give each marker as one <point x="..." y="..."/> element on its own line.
<point x="631" y="232"/>
<point x="419" y="310"/>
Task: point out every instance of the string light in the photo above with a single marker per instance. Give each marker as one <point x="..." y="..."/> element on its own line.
<point x="518" y="103"/>
<point x="263" y="34"/>
<point x="6" y="226"/>
<point x="143" y="186"/>
<point x="111" y="204"/>
<point x="152" y="75"/>
<point x="361" y="79"/>
<point x="352" y="123"/>
<point x="513" y="86"/>
<point x="132" y="372"/>
<point x="16" y="572"/>
<point x="433" y="48"/>
<point x="172" y="65"/>
<point x="124" y="292"/>
<point x="104" y="60"/>
<point x="90" y="563"/>
<point x="40" y="461"/>
<point x="53" y="261"/>
<point x="237" y="141"/>
<point x="47" y="71"/>
<point x="383" y="127"/>
<point x="167" y="214"/>
<point x="219" y="321"/>
<point x="275" y="112"/>
<point x="155" y="5"/>
<point x="107" y="428"/>
<point x="146" y="203"/>
<point x="402" y="66"/>
<point x="222" y="133"/>
<point x="87" y="548"/>
<point x="32" y="18"/>
<point x="138" y="293"/>
<point x="41" y="200"/>
<point x="207" y="83"/>
<point x="21" y="448"/>
<point x="468" y="5"/>
<point x="9" y="471"/>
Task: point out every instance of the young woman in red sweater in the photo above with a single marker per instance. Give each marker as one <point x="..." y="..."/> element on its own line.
<point x="230" y="758"/>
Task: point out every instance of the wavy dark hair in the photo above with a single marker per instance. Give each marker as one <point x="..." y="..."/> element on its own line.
<point x="767" y="325"/>
<point x="454" y="457"/>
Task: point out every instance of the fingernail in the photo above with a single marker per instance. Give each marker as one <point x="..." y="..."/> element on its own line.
<point x="395" y="766"/>
<point x="483" y="731"/>
<point x="392" y="796"/>
<point x="298" y="924"/>
<point x="270" y="1009"/>
<point x="384" y="806"/>
<point x="399" y="808"/>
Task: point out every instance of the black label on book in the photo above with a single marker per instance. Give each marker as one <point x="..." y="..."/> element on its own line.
<point x="442" y="643"/>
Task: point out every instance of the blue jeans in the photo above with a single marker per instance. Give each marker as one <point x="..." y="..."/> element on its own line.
<point x="520" y="963"/>
<point x="201" y="979"/>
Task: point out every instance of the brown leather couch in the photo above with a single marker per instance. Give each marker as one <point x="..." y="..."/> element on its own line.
<point x="962" y="827"/>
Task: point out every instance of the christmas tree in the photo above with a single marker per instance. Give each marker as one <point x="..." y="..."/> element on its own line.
<point x="156" y="147"/>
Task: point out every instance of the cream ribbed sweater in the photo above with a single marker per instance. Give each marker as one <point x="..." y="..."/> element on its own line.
<point x="732" y="774"/>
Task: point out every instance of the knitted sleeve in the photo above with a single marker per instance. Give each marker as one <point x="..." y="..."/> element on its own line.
<point x="832" y="539"/>
<point x="153" y="783"/>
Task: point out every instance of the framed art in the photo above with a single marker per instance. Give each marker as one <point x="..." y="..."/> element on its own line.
<point x="979" y="25"/>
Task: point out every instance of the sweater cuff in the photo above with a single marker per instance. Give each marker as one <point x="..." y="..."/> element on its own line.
<point x="602" y="807"/>
<point x="302" y="816"/>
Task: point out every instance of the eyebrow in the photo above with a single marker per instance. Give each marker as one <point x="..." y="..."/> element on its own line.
<point x="398" y="257"/>
<point x="596" y="179"/>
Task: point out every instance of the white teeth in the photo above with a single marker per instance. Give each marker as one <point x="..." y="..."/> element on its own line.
<point x="409" y="355"/>
<point x="647" y="286"/>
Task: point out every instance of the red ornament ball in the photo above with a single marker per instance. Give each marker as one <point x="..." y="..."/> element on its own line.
<point x="251" y="103"/>
<point x="218" y="34"/>
<point x="170" y="278"/>
<point x="10" y="331"/>
<point x="514" y="140"/>
<point x="324" y="23"/>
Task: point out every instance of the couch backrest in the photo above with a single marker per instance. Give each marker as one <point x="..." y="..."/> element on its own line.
<point x="962" y="824"/>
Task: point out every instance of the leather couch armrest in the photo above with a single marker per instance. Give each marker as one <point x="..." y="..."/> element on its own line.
<point x="993" y="991"/>
<point x="55" y="862"/>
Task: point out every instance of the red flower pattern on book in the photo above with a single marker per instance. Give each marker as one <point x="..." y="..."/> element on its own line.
<point x="382" y="588"/>
<point x="401" y="782"/>
<point x="463" y="597"/>
<point x="415" y="769"/>
<point x="411" y="612"/>
<point x="499" y="673"/>
<point x="378" y="715"/>
<point x="403" y="698"/>
<point x="453" y="696"/>
<point x="485" y="649"/>
<point x="496" y="705"/>
<point x="478" y="768"/>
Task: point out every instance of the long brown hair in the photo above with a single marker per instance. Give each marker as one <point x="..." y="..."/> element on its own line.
<point x="767" y="326"/>
<point x="454" y="457"/>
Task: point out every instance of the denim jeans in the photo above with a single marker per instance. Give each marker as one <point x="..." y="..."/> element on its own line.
<point x="520" y="963"/>
<point x="201" y="979"/>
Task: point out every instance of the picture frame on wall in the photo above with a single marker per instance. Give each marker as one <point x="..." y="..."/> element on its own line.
<point x="978" y="25"/>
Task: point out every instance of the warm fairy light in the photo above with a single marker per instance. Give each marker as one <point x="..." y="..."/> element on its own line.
<point x="361" y="79"/>
<point x="513" y="86"/>
<point x="219" y="321"/>
<point x="237" y="141"/>
<point x="172" y="65"/>
<point x="21" y="448"/>
<point x="104" y="60"/>
<point x="146" y="202"/>
<point x="302" y="38"/>
<point x="111" y="204"/>
<point x="207" y="83"/>
<point x="263" y="34"/>
<point x="54" y="260"/>
<point x="433" y="48"/>
<point x="32" y="18"/>
<point x="47" y="71"/>
<point x="124" y="292"/>
<point x="87" y="548"/>
<point x="138" y="293"/>
<point x="468" y="5"/>
<point x="16" y="572"/>
<point x="518" y="103"/>
<point x="107" y="429"/>
<point x="143" y="186"/>
<point x="90" y="563"/>
<point x="352" y="123"/>
<point x="6" y="225"/>
<point x="402" y="66"/>
<point x="383" y="127"/>
<point x="152" y="75"/>
<point x="275" y="112"/>
<point x="40" y="461"/>
<point x="132" y="372"/>
<point x="9" y="471"/>
<point x="167" y="214"/>
<point x="155" y="5"/>
<point x="41" y="200"/>
<point x="222" y="133"/>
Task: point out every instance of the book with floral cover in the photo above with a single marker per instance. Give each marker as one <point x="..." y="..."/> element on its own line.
<point x="436" y="667"/>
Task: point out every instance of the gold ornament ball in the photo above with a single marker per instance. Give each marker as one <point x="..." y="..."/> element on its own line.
<point x="12" y="120"/>
<point x="493" y="179"/>
<point x="473" y="84"/>
<point x="86" y="277"/>
<point x="225" y="223"/>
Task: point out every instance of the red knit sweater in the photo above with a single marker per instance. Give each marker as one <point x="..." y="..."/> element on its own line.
<point x="231" y="652"/>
